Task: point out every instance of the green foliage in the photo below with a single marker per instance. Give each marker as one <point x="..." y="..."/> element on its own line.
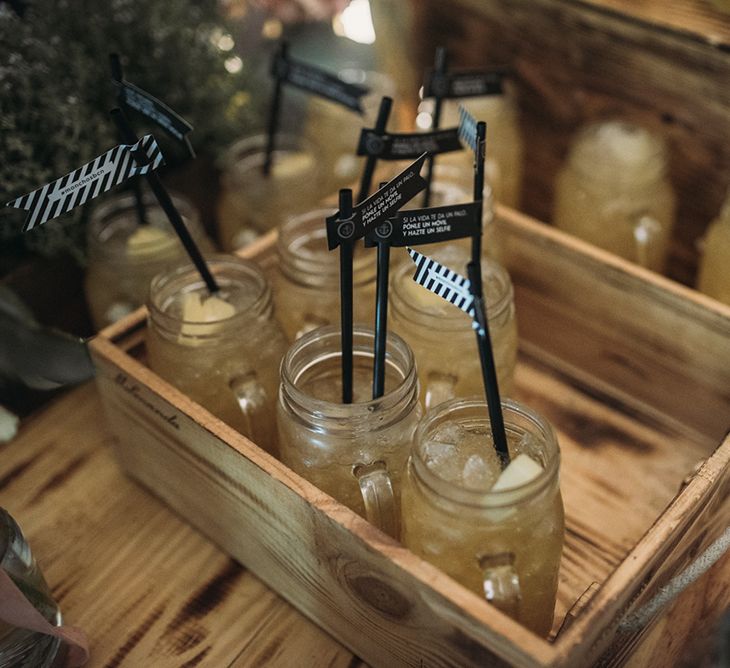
<point x="56" y="91"/>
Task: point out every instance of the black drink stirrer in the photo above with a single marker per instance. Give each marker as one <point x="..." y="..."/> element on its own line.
<point x="162" y="196"/>
<point x="484" y="342"/>
<point x="346" y="297"/>
<point x="371" y="161"/>
<point x="136" y="184"/>
<point x="440" y="64"/>
<point x="381" y="316"/>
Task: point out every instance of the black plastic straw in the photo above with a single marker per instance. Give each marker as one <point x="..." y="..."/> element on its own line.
<point x="489" y="373"/>
<point x="136" y="185"/>
<point x="381" y="317"/>
<point x="125" y="129"/>
<point x="346" y="248"/>
<point x="274" y="113"/>
<point x="479" y="157"/>
<point x="380" y="124"/>
<point x="439" y="66"/>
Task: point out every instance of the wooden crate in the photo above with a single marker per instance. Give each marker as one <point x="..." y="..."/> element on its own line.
<point x="633" y="371"/>
<point x="662" y="64"/>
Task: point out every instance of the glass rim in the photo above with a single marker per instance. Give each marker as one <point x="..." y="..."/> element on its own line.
<point x="397" y="351"/>
<point x="316" y="270"/>
<point x="466" y="496"/>
<point x="170" y="325"/>
<point x="454" y="319"/>
<point x="255" y="144"/>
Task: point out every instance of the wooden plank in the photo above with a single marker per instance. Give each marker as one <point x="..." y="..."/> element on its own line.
<point x="575" y="64"/>
<point x="648" y="337"/>
<point x="366" y="589"/>
<point x="699" y="514"/>
<point x="146" y="587"/>
<point x="697" y="20"/>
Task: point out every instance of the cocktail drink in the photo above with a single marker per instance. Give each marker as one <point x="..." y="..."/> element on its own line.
<point x="354" y="452"/>
<point x="251" y="203"/>
<point x="441" y="335"/>
<point x="614" y="192"/>
<point x="714" y="273"/>
<point x="22" y="647"/>
<point x="335" y="130"/>
<point x="498" y="533"/>
<point x="124" y="256"/>
<point x="307" y="284"/>
<point x="505" y="147"/>
<point x="222" y="351"/>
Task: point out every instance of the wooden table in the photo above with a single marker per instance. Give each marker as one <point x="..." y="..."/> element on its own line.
<point x="147" y="588"/>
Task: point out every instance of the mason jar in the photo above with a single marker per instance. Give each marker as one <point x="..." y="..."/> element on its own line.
<point x="441" y="335"/>
<point x="614" y="192"/>
<point x="226" y="358"/>
<point x="124" y="256"/>
<point x="251" y="203"/>
<point x="307" y="284"/>
<point x="18" y="646"/>
<point x="335" y="130"/>
<point x="714" y="273"/>
<point x="500" y="534"/>
<point x="503" y="163"/>
<point x="354" y="452"/>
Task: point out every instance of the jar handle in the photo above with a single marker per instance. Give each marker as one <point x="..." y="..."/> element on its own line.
<point x="117" y="311"/>
<point x="251" y="397"/>
<point x="646" y="231"/>
<point x="439" y="387"/>
<point x="501" y="582"/>
<point x="376" y="488"/>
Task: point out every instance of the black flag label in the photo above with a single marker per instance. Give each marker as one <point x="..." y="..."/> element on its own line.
<point x="377" y="208"/>
<point x="407" y="146"/>
<point x="463" y="83"/>
<point x="319" y="82"/>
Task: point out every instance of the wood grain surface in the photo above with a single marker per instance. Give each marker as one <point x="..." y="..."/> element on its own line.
<point x="664" y="65"/>
<point x="146" y="587"/>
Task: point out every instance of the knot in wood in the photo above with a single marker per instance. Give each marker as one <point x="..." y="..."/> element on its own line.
<point x="380" y="596"/>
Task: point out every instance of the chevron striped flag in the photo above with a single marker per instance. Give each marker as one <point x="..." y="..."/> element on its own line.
<point x="445" y="283"/>
<point x="89" y="181"/>
<point x="467" y="128"/>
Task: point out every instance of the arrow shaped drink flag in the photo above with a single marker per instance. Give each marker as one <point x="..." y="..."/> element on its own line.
<point x="146" y="104"/>
<point x="444" y="282"/>
<point x="89" y="181"/>
<point x="317" y="81"/>
<point x="427" y="226"/>
<point x="377" y="208"/>
<point x="464" y="83"/>
<point x="407" y="146"/>
<point x="467" y="128"/>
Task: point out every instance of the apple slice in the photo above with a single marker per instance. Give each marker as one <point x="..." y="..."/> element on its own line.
<point x="521" y="470"/>
<point x="148" y="240"/>
<point x="197" y="310"/>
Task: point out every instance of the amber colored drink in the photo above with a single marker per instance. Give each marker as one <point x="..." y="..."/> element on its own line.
<point x="441" y="336"/>
<point x="222" y="351"/>
<point x="498" y="534"/>
<point x="125" y="256"/>
<point x="714" y="273"/>
<point x="307" y="284"/>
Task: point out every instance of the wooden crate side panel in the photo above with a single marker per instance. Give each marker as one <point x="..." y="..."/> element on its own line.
<point x="699" y="514"/>
<point x="574" y="64"/>
<point x="371" y="593"/>
<point x="644" y="335"/>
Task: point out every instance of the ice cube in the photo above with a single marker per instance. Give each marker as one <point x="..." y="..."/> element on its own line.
<point x="521" y="470"/>
<point x="476" y="474"/>
<point x="442" y="459"/>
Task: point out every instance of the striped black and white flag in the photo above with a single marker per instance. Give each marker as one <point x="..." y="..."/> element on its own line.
<point x="467" y="128"/>
<point x="89" y="181"/>
<point x="442" y="281"/>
